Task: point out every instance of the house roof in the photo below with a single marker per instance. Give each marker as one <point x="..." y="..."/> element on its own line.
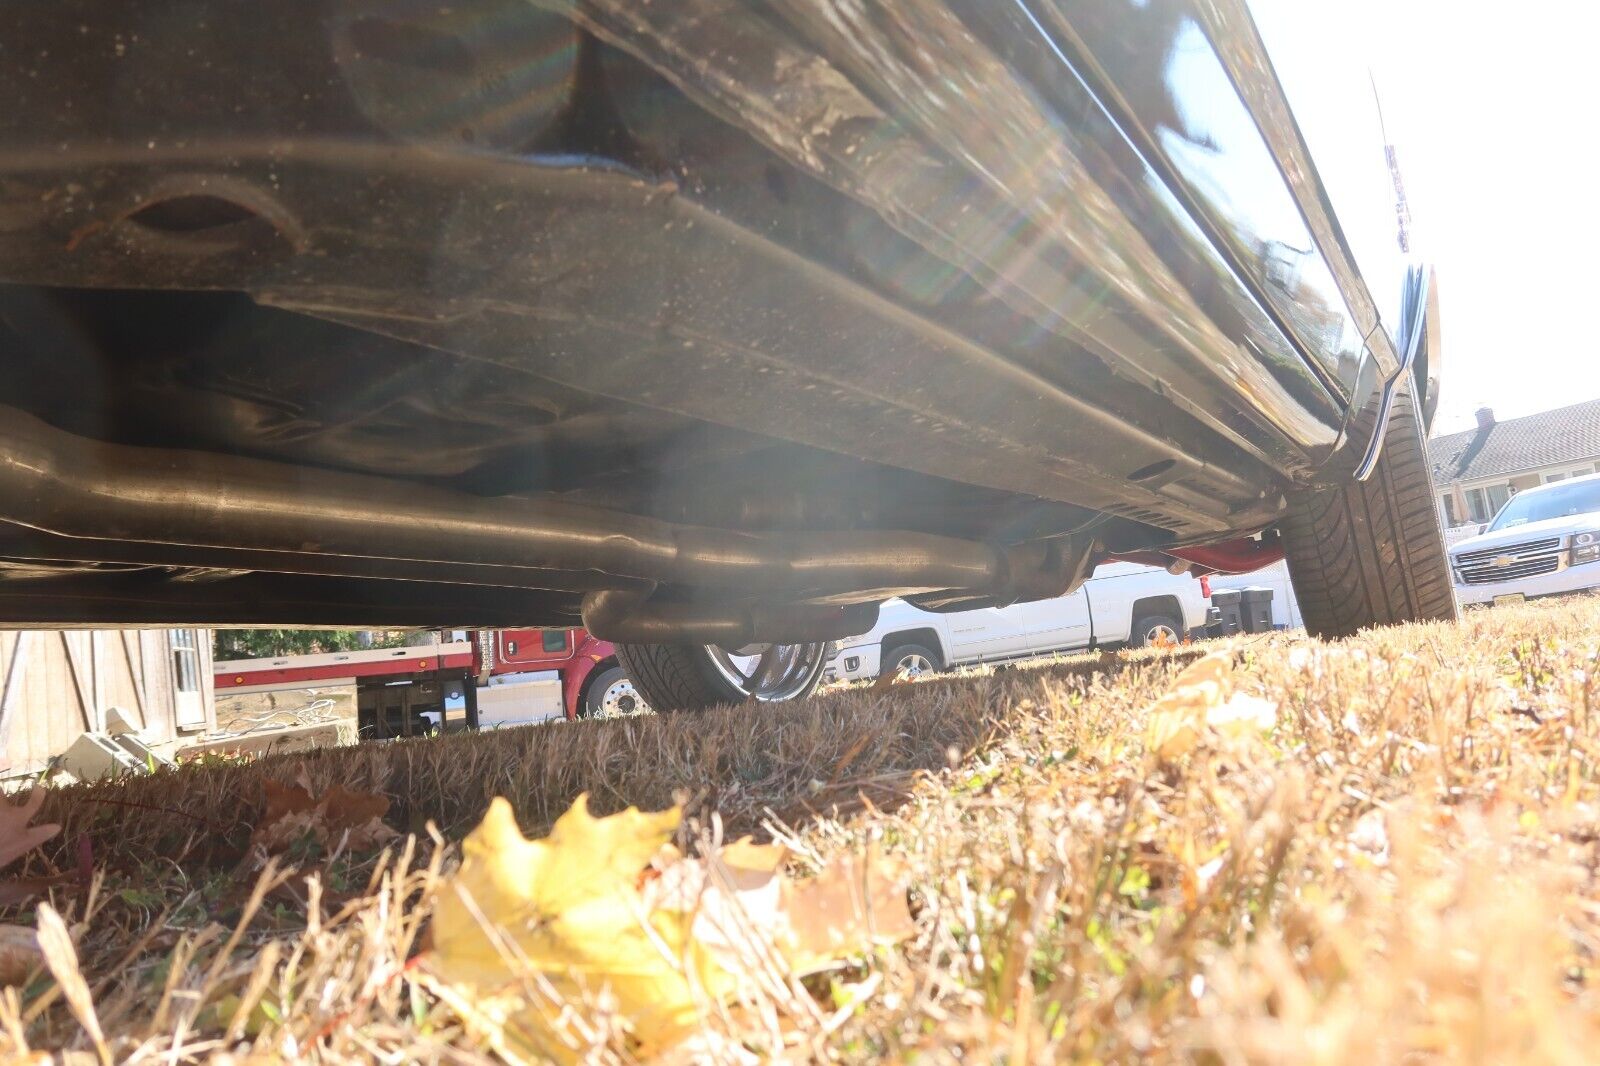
<point x="1567" y="434"/>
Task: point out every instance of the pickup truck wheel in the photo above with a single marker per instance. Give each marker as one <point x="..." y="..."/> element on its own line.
<point x="1371" y="553"/>
<point x="611" y="693"/>
<point x="912" y="660"/>
<point x="692" y="677"/>
<point x="1155" y="630"/>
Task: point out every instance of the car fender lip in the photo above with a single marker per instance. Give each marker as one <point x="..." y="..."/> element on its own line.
<point x="1415" y="312"/>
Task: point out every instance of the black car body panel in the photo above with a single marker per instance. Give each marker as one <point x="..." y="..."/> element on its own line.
<point x="972" y="269"/>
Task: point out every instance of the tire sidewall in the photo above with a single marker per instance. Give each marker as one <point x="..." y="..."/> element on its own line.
<point x="1139" y="634"/>
<point x="890" y="658"/>
<point x="595" y="690"/>
<point x="681" y="678"/>
<point x="1363" y="554"/>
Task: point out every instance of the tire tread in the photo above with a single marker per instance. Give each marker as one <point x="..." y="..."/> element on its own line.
<point x="667" y="676"/>
<point x="680" y="677"/>
<point x="1371" y="553"/>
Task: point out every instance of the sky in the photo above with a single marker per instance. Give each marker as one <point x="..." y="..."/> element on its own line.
<point x="1491" y="108"/>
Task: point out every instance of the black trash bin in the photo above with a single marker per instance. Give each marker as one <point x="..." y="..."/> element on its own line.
<point x="1226" y="601"/>
<point x="1255" y="610"/>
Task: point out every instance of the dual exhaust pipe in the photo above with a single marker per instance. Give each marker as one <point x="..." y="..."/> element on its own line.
<point x="260" y="515"/>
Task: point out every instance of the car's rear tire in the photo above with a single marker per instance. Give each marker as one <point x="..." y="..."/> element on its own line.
<point x="914" y="659"/>
<point x="1150" y="630"/>
<point x="1371" y="553"/>
<point x="692" y="677"/>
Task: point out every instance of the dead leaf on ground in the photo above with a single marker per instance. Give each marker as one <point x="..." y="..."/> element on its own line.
<point x="284" y="800"/>
<point x="292" y="814"/>
<point x="17" y="837"/>
<point x="1203" y="700"/>
<point x="607" y="906"/>
<point x="19" y="954"/>
<point x="15" y="891"/>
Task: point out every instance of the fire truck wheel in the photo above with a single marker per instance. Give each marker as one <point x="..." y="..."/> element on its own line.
<point x="611" y="693"/>
<point x="691" y="677"/>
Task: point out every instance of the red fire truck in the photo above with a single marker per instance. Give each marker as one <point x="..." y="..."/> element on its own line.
<point x="455" y="679"/>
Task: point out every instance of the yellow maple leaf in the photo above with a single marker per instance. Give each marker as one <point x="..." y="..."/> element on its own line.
<point x="606" y="909"/>
<point x="567" y="908"/>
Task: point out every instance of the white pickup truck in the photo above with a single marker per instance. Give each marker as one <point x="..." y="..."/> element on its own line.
<point x="1122" y="603"/>
<point x="1544" y="542"/>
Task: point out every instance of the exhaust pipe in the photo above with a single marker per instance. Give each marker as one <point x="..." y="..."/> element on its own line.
<point x="628" y="618"/>
<point x="78" y="488"/>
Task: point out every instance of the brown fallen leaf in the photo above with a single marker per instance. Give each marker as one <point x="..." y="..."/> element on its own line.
<point x="18" y="890"/>
<point x="855" y="901"/>
<point x="17" y="837"/>
<point x="370" y="836"/>
<point x="278" y="836"/>
<point x="19" y="954"/>
<point x="339" y="815"/>
<point x="284" y="800"/>
<point x="344" y="809"/>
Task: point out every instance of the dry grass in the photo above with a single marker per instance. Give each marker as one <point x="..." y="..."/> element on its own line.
<point x="1404" y="868"/>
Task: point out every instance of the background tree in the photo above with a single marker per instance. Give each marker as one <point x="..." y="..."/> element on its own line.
<point x="271" y="643"/>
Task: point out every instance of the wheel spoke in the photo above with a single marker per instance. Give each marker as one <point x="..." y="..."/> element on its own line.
<point x="770" y="672"/>
<point x="767" y="669"/>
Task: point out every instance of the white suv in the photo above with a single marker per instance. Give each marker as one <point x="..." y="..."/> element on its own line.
<point x="1122" y="603"/>
<point x="1544" y="542"/>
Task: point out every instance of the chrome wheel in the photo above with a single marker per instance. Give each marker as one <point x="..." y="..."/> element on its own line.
<point x="770" y="672"/>
<point x="1160" y="635"/>
<point x="619" y="698"/>
<point x="913" y="665"/>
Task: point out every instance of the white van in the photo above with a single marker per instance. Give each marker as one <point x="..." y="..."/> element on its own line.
<point x="1123" y="603"/>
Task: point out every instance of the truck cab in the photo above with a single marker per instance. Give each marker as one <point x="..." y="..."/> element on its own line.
<point x="535" y="674"/>
<point x="453" y="679"/>
<point x="1124" y="603"/>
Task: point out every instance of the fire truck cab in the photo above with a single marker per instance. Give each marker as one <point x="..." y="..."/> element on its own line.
<point x="455" y="679"/>
<point x="528" y="675"/>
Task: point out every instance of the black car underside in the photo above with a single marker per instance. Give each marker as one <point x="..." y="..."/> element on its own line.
<point x="503" y="314"/>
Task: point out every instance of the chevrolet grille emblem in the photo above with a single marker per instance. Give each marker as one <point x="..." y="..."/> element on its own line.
<point x="1504" y="560"/>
